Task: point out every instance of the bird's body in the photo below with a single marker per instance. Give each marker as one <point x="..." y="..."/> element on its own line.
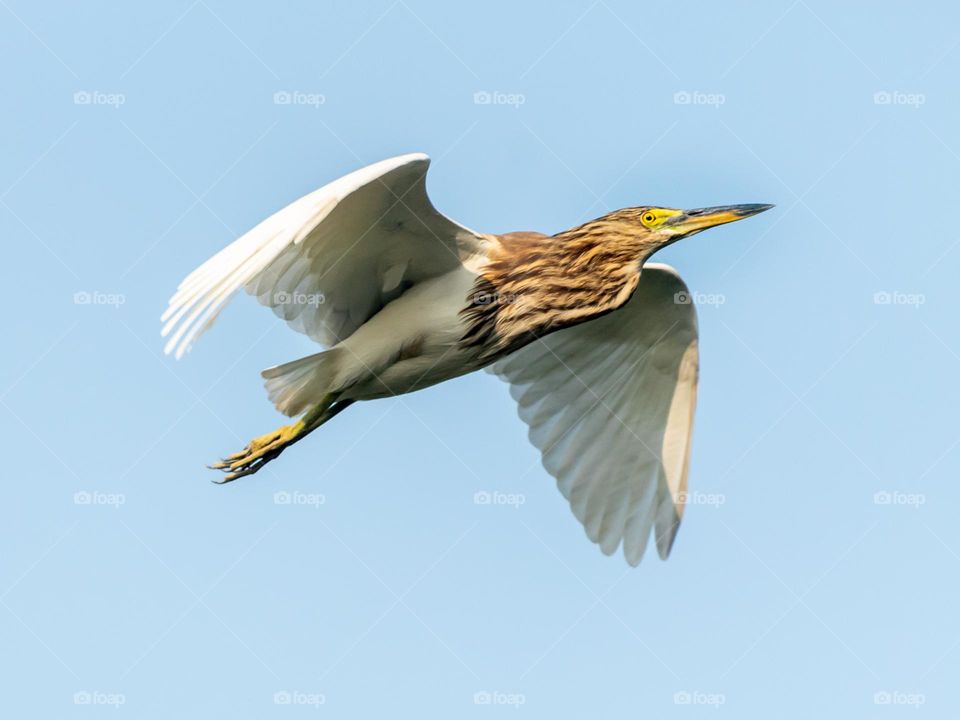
<point x="599" y="346"/>
<point x="413" y="342"/>
<point x="519" y="288"/>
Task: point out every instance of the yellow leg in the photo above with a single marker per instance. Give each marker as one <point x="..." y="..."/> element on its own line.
<point x="265" y="448"/>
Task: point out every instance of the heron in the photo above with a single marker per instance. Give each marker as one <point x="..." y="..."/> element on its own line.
<point x="598" y="344"/>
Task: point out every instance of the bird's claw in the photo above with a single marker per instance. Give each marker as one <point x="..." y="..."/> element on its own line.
<point x="256" y="454"/>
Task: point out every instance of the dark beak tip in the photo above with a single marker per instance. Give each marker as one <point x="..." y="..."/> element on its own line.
<point x="741" y="211"/>
<point x="755" y="208"/>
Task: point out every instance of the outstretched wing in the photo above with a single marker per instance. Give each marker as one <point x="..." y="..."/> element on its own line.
<point x="609" y="404"/>
<point x="330" y="260"/>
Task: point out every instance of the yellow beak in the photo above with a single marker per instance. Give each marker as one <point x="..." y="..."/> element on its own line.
<point x="691" y="221"/>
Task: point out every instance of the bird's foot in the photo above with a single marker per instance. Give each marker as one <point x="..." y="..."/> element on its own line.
<point x="259" y="452"/>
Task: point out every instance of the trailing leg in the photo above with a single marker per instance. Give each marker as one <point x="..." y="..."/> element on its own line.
<point x="265" y="448"/>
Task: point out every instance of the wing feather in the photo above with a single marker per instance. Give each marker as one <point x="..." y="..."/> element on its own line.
<point x="610" y="403"/>
<point x="330" y="260"/>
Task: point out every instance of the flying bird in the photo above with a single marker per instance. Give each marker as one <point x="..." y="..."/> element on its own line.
<point x="599" y="345"/>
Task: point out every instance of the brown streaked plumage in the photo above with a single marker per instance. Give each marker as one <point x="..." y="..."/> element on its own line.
<point x="598" y="345"/>
<point x="534" y="284"/>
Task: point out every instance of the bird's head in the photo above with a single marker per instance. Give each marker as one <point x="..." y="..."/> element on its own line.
<point x="649" y="229"/>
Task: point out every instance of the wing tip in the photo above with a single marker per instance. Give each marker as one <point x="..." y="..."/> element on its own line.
<point x="666" y="537"/>
<point x="664" y="542"/>
<point x="398" y="161"/>
<point x="414" y="156"/>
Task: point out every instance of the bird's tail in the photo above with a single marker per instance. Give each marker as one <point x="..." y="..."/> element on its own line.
<point x="294" y="386"/>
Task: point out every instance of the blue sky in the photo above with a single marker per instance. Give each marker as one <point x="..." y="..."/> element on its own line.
<point x="815" y="575"/>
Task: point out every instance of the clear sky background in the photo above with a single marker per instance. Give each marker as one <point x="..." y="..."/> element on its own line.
<point x="816" y="573"/>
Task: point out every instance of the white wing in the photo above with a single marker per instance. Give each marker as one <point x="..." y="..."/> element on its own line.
<point x="330" y="260"/>
<point x="609" y="404"/>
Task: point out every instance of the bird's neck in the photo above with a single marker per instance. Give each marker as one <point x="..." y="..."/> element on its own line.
<point x="535" y="284"/>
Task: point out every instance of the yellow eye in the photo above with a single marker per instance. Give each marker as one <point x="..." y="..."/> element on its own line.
<point x="648" y="219"/>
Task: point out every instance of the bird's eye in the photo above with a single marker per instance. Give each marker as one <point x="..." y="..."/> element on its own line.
<point x="648" y="218"/>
